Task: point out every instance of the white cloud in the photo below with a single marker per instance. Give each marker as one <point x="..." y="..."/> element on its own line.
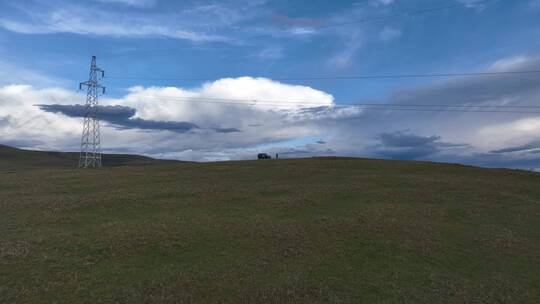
<point x="169" y="103"/>
<point x="513" y="133"/>
<point x="388" y="34"/>
<point x="275" y="120"/>
<point x="225" y="13"/>
<point x="345" y="57"/>
<point x="510" y="63"/>
<point x="375" y="3"/>
<point x="91" y="20"/>
<point x="276" y="116"/>
<point x="479" y="5"/>
<point x="382" y="2"/>
<point x="103" y="24"/>
<point x="301" y="31"/>
<point x="136" y="3"/>
<point x="28" y="122"/>
<point x="193" y="21"/>
<point x="269" y="53"/>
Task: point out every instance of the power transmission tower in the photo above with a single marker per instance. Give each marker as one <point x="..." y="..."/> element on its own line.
<point x="90" y="156"/>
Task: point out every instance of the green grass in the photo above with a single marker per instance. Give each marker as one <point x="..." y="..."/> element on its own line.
<point x="17" y="159"/>
<point x="328" y="230"/>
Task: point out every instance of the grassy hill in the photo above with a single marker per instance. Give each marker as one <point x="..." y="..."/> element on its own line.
<point x="322" y="230"/>
<point x="13" y="159"/>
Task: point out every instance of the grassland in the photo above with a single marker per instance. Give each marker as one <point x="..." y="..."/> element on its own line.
<point x="322" y="230"/>
<point x="17" y="159"/>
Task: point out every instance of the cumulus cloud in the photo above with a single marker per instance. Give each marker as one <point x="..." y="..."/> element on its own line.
<point x="511" y="133"/>
<point x="245" y="95"/>
<point x="222" y="115"/>
<point x="235" y="118"/>
<point x="30" y="123"/>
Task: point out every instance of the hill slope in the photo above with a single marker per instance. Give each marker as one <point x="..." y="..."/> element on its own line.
<point x="276" y="231"/>
<point x="13" y="158"/>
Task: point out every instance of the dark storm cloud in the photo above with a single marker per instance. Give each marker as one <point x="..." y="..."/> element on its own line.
<point x="513" y="90"/>
<point x="138" y="123"/>
<point x="121" y="118"/>
<point x="326" y="114"/>
<point x="318" y="110"/>
<point x="21" y="143"/>
<point x="108" y="113"/>
<point x="308" y="150"/>
<point x="4" y="121"/>
<point x="402" y="139"/>
<point x="406" y="145"/>
<point x="535" y="145"/>
<point x="226" y="130"/>
<point x="295" y="152"/>
<point x="314" y="110"/>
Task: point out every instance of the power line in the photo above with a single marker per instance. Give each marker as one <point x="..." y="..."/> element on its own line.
<point x="351" y="77"/>
<point x="520" y="109"/>
<point x="305" y="102"/>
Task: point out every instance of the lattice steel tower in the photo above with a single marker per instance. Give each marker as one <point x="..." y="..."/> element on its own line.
<point x="90" y="142"/>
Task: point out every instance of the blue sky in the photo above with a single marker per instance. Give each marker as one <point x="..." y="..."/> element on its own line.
<point x="243" y="46"/>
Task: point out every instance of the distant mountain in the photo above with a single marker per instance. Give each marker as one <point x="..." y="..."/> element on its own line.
<point x="13" y="158"/>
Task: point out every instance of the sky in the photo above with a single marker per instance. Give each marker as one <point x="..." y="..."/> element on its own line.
<point x="226" y="80"/>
